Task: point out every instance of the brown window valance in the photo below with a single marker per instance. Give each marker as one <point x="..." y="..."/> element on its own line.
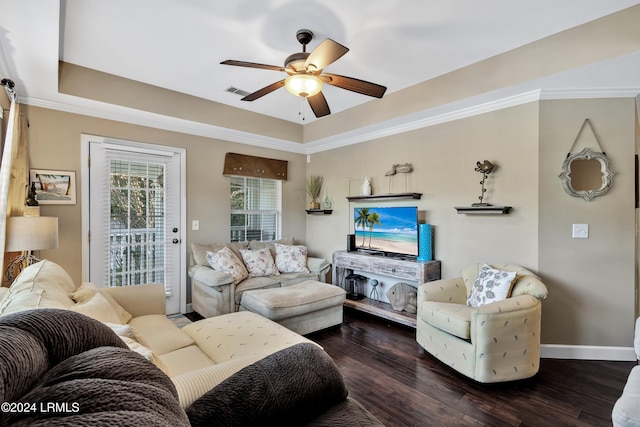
<point x="260" y="167"/>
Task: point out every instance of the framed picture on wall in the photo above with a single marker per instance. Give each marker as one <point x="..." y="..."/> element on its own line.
<point x="54" y="187"/>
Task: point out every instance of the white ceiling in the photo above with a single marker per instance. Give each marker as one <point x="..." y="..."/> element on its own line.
<point x="179" y="44"/>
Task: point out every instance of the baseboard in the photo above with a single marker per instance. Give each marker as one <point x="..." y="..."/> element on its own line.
<point x="587" y="352"/>
<point x="189" y="308"/>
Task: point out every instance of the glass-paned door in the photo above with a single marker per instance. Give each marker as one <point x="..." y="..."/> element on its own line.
<point x="134" y="219"/>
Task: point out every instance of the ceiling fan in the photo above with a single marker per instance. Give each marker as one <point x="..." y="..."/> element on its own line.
<point x="306" y="75"/>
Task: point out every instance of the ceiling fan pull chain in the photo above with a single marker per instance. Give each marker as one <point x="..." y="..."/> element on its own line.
<point x="301" y="109"/>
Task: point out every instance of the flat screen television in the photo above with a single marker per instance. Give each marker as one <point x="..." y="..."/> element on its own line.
<point x="390" y="230"/>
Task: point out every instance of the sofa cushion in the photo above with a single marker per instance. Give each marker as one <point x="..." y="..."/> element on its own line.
<point x="97" y="307"/>
<point x="199" y="250"/>
<point x="228" y="262"/>
<point x="454" y="319"/>
<point x="44" y="275"/>
<point x="14" y="302"/>
<point x="297" y="383"/>
<point x="491" y="285"/>
<point x="259" y="262"/>
<point x="291" y="259"/>
<point x="88" y="290"/>
<point x="159" y="334"/>
<point x="183" y="360"/>
<point x="49" y="276"/>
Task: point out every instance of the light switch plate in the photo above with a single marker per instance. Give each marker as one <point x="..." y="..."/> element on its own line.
<point x="580" y="231"/>
<point x="195" y="224"/>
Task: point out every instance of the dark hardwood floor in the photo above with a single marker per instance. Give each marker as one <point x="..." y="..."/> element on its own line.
<point x="385" y="370"/>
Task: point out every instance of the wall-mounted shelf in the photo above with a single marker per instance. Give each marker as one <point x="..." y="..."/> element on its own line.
<point x="390" y="196"/>
<point x="483" y="210"/>
<point x="319" y="211"/>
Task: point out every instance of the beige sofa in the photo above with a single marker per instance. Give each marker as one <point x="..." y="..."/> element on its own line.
<point x="213" y="292"/>
<point x="495" y="342"/>
<point x="194" y="362"/>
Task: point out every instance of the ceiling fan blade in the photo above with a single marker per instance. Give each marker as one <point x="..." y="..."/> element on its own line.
<point x="319" y="105"/>
<point x="327" y="52"/>
<point x="354" y="85"/>
<point x="264" y="91"/>
<point x="251" y="65"/>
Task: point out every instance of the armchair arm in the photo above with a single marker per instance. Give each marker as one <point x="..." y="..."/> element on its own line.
<point x="319" y="266"/>
<point x="210" y="277"/>
<point x="139" y="300"/>
<point x="444" y="290"/>
<point x="506" y="337"/>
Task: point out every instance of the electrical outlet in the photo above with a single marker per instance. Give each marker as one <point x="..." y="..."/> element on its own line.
<point x="195" y="225"/>
<point x="580" y="231"/>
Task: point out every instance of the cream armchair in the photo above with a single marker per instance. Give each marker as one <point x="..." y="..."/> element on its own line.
<point x="496" y="342"/>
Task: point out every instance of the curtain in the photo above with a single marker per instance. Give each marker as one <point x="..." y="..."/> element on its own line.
<point x="14" y="171"/>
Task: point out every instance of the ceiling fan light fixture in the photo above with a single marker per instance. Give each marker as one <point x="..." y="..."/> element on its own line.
<point x="303" y="85"/>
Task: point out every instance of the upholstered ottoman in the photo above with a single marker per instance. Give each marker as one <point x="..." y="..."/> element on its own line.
<point x="303" y="308"/>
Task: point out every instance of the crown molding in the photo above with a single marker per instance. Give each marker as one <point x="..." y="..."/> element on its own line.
<point x="173" y="124"/>
<point x="422" y="119"/>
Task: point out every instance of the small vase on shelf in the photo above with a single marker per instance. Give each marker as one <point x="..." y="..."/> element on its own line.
<point x="365" y="190"/>
<point x="326" y="203"/>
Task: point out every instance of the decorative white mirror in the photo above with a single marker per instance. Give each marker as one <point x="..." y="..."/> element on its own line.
<point x="586" y="174"/>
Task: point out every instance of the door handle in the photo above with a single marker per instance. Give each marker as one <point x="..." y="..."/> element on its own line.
<point x="175" y="241"/>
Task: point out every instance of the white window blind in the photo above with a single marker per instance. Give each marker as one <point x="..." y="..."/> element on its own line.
<point x="256" y="205"/>
<point x="137" y="218"/>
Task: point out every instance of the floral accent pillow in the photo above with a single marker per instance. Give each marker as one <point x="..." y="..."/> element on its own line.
<point x="259" y="262"/>
<point x="291" y="259"/>
<point x="491" y="285"/>
<point x="227" y="262"/>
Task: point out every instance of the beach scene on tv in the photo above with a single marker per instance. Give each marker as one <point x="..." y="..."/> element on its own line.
<point x="387" y="229"/>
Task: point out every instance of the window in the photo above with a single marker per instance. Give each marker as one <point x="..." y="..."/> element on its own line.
<point x="256" y="206"/>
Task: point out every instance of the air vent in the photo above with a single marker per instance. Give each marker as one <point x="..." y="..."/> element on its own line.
<point x="237" y="91"/>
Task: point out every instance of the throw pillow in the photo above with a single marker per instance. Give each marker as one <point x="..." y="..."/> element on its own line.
<point x="259" y="263"/>
<point x="88" y="290"/>
<point x="227" y="262"/>
<point x="271" y="244"/>
<point x="97" y="307"/>
<point x="491" y="285"/>
<point x="291" y="259"/>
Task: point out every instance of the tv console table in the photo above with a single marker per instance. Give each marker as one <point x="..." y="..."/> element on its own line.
<point x="344" y="263"/>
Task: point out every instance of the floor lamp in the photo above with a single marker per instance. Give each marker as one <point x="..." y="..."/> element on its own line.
<point x="26" y="234"/>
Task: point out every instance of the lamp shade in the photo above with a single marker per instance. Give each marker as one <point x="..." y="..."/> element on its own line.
<point x="303" y="85"/>
<point x="31" y="233"/>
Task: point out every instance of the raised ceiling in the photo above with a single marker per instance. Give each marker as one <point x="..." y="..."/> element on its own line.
<point x="178" y="45"/>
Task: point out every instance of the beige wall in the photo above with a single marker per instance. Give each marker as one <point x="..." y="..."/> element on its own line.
<point x="444" y="158"/>
<point x="591" y="282"/>
<point x="55" y="144"/>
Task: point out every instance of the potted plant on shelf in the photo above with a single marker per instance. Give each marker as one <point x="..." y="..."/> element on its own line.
<point x="314" y="187"/>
